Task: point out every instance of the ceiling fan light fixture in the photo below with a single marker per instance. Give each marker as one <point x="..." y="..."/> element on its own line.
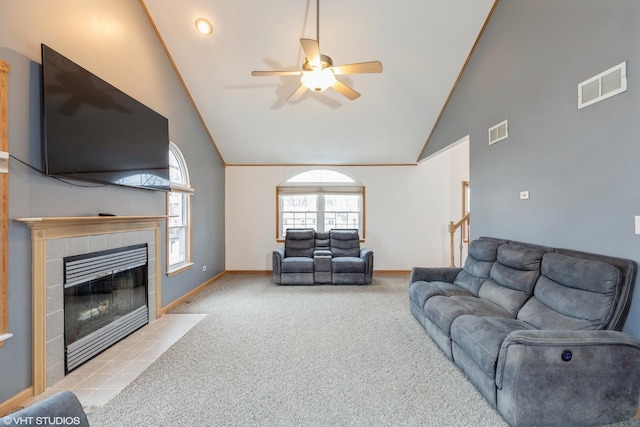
<point x="204" y="26"/>
<point x="318" y="72"/>
<point x="318" y="79"/>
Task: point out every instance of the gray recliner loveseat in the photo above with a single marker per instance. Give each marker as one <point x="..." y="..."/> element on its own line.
<point x="537" y="330"/>
<point x="332" y="257"/>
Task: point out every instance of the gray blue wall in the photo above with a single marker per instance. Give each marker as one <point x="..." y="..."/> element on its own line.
<point x="580" y="166"/>
<point x="34" y="195"/>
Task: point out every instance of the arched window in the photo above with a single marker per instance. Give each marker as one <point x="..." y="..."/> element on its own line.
<point x="321" y="199"/>
<point x="179" y="211"/>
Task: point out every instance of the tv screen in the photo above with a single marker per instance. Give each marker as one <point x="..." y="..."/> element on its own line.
<point x="92" y="131"/>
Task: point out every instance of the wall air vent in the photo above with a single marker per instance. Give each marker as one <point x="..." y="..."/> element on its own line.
<point x="499" y="132"/>
<point x="604" y="85"/>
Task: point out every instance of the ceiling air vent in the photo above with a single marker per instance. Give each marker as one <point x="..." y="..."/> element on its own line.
<point x="606" y="84"/>
<point x="499" y="132"/>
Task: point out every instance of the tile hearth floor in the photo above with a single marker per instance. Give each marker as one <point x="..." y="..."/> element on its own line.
<point x="102" y="378"/>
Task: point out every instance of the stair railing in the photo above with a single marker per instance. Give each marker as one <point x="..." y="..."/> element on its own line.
<point x="463" y="224"/>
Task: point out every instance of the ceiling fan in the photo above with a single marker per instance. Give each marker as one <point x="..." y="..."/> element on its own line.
<point x="318" y="72"/>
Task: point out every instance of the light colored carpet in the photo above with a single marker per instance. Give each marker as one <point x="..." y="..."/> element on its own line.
<point x="268" y="355"/>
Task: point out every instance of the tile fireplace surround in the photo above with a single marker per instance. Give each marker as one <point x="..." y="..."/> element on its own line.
<point x="53" y="239"/>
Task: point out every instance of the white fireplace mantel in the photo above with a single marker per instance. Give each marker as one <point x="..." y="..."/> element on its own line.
<point x="49" y="228"/>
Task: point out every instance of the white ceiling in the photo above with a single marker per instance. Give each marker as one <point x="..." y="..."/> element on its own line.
<point x="422" y="44"/>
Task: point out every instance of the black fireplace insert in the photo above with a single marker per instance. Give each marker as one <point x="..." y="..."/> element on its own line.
<point x="105" y="299"/>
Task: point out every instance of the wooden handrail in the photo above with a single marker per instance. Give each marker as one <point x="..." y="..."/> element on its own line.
<point x="453" y="226"/>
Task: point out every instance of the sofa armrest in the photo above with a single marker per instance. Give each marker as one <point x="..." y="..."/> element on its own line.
<point x="278" y="256"/>
<point x="567" y="377"/>
<point x="367" y="256"/>
<point x="47" y="412"/>
<point x="434" y="274"/>
<point x="606" y="341"/>
<point x="276" y="265"/>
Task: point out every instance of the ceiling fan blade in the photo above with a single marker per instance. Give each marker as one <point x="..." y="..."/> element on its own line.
<point x="276" y="73"/>
<point x="311" y="50"/>
<point x="298" y="93"/>
<point x="361" y="67"/>
<point x="345" y="90"/>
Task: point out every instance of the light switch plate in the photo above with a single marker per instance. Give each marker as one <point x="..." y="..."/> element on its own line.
<point x="4" y="162"/>
<point x="637" y="224"/>
<point x="524" y="195"/>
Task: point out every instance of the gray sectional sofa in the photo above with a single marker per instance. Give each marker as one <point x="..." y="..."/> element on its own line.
<point x="332" y="257"/>
<point x="537" y="330"/>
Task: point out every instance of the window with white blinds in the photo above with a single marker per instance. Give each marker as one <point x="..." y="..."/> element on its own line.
<point x="320" y="199"/>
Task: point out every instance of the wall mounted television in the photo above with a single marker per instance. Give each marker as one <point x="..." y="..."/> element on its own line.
<point x="94" y="132"/>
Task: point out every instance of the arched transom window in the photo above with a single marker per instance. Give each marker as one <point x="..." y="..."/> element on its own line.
<point x="321" y="199"/>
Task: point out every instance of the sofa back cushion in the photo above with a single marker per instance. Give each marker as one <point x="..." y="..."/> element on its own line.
<point x="345" y="243"/>
<point x="299" y="242"/>
<point x="322" y="241"/>
<point x="482" y="254"/>
<point x="573" y="293"/>
<point x="512" y="276"/>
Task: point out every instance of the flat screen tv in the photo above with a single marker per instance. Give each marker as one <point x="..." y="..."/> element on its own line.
<point x="94" y="132"/>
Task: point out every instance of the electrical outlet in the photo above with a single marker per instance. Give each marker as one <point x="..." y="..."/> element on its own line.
<point x="524" y="195"/>
<point x="637" y="224"/>
<point x="204" y="268"/>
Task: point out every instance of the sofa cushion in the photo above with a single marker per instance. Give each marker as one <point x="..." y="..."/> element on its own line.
<point x="421" y="291"/>
<point x="573" y="293"/>
<point x="296" y="264"/>
<point x="442" y="310"/>
<point x="484" y="250"/>
<point x="322" y="241"/>
<point x="299" y="243"/>
<point x="481" y="338"/>
<point x="347" y="264"/>
<point x="345" y="243"/>
<point x="482" y="254"/>
<point x="512" y="277"/>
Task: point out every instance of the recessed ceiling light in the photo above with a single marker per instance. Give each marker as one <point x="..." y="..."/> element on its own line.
<point x="204" y="26"/>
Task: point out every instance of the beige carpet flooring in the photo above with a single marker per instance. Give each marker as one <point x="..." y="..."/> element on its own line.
<point x="268" y="355"/>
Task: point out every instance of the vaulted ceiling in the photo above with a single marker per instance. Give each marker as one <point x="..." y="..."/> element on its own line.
<point x="422" y="44"/>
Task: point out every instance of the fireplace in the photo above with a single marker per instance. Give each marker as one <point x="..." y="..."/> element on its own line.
<point x="105" y="299"/>
<point x="55" y="238"/>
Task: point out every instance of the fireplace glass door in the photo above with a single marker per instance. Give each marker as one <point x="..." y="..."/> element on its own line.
<point x="91" y="305"/>
<point x="105" y="300"/>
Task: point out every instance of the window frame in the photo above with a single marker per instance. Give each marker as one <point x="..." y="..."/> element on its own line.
<point x="294" y="187"/>
<point x="186" y="191"/>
